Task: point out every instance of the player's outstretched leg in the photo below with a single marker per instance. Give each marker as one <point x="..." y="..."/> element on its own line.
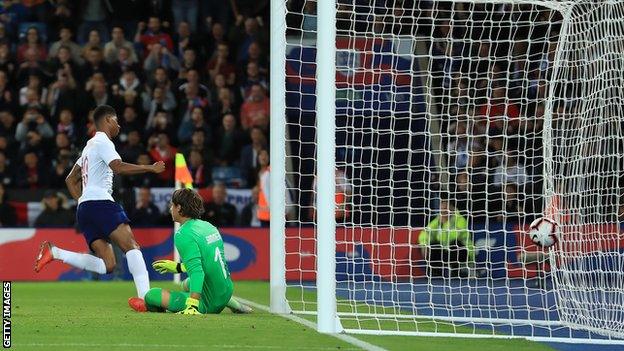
<point x="48" y="253"/>
<point x="123" y="237"/>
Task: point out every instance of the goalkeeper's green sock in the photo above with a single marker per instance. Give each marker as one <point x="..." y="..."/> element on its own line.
<point x="233" y="304"/>
<point x="238" y="307"/>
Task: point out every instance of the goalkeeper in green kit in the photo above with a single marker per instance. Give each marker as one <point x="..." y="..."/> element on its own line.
<point x="208" y="288"/>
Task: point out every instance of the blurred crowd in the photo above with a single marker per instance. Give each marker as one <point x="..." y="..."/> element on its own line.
<point x="186" y="76"/>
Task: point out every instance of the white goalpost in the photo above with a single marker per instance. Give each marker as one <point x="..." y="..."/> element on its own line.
<point x="387" y="116"/>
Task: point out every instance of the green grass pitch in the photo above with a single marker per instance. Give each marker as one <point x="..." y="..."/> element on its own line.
<point x="95" y="316"/>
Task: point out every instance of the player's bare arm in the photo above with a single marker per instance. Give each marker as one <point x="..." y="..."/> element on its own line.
<point x="120" y="167"/>
<point x="74" y="182"/>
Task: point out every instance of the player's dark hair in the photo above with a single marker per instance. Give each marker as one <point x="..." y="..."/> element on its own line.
<point x="191" y="204"/>
<point x="102" y="112"/>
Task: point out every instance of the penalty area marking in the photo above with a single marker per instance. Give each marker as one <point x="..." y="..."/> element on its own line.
<point x="346" y="338"/>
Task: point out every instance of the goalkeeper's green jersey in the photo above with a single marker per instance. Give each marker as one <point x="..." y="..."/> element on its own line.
<point x="201" y="250"/>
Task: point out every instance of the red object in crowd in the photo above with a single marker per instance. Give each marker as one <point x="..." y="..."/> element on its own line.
<point x="168" y="157"/>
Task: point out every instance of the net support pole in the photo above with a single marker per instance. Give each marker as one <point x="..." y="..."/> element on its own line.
<point x="277" y="193"/>
<point x="176" y="254"/>
<point x="327" y="321"/>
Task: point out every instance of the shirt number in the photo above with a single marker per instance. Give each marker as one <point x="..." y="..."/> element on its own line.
<point x="220" y="259"/>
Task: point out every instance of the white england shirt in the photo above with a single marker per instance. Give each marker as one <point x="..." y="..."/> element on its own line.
<point x="97" y="176"/>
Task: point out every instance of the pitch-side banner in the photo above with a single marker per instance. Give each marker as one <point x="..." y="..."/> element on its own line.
<point x="237" y="197"/>
<point x="361" y="253"/>
<point x="246" y="251"/>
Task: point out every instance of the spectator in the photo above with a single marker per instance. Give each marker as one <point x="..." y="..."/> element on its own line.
<point x="255" y="110"/>
<point x="153" y="35"/>
<point x="131" y="120"/>
<point x="249" y="214"/>
<point x="254" y="54"/>
<point x="32" y="129"/>
<point x="186" y="39"/>
<point x="161" y="56"/>
<point x="161" y="123"/>
<point x="161" y="150"/>
<point x="188" y="62"/>
<point x="218" y="211"/>
<point x="342" y="197"/>
<point x="63" y="95"/>
<point x="190" y="100"/>
<point x="216" y="37"/>
<point x="133" y="148"/>
<point x="228" y="142"/>
<point x="191" y="77"/>
<point x="252" y="77"/>
<point x="125" y="62"/>
<point x="63" y="60"/>
<point x="249" y="154"/>
<point x="66" y="125"/>
<point x="225" y="104"/>
<point x="187" y="127"/>
<point x="33" y="100"/>
<point x="54" y="213"/>
<point x="94" y="42"/>
<point x="33" y="41"/>
<point x="247" y="31"/>
<point x="162" y="100"/>
<point x="65" y="40"/>
<point x="145" y="213"/>
<point x="198" y="169"/>
<point x="220" y="64"/>
<point x="31" y="65"/>
<point x="61" y="167"/>
<point x="100" y="96"/>
<point x="34" y="83"/>
<point x="446" y="243"/>
<point x="95" y="64"/>
<point x="62" y="143"/>
<point x="31" y="175"/>
<point x="118" y="41"/>
<point x="199" y="143"/>
<point x="129" y="82"/>
<point x="263" y="210"/>
<point x="7" y="212"/>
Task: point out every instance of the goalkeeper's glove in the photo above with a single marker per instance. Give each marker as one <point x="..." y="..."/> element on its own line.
<point x="168" y="266"/>
<point x="192" y="306"/>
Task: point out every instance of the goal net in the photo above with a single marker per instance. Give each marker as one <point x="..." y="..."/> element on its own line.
<point x="452" y="126"/>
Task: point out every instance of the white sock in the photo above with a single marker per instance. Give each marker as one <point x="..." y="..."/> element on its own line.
<point x="79" y="260"/>
<point x="136" y="266"/>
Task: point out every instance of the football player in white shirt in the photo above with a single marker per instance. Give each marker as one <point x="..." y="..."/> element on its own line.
<point x="99" y="217"/>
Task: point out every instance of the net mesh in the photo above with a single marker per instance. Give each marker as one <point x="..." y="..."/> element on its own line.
<point x="462" y="106"/>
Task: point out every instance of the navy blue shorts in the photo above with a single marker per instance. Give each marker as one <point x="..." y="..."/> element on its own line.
<point x="99" y="218"/>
